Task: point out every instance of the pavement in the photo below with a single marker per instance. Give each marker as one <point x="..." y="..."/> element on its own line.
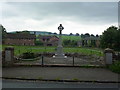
<point x="68" y="74"/>
<point x="56" y="85"/>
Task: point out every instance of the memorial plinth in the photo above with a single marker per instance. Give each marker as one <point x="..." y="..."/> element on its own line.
<point x="59" y="53"/>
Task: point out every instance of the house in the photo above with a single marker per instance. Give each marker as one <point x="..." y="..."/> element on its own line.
<point x="49" y="40"/>
<point x="89" y="41"/>
<point x="19" y="39"/>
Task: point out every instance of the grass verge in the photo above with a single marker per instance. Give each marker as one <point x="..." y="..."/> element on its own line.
<point x="41" y="49"/>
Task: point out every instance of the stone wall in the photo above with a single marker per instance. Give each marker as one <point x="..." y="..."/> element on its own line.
<point x="19" y="42"/>
<point x="116" y="56"/>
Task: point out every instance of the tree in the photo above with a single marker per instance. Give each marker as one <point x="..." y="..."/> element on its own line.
<point x="49" y="33"/>
<point x="55" y="33"/>
<point x="118" y="40"/>
<point x="25" y="31"/>
<point x="3" y="33"/>
<point x="92" y="35"/>
<point x="82" y="35"/>
<point x="110" y="38"/>
<point x="69" y="43"/>
<point x="66" y="42"/>
<point x="73" y="43"/>
<point x="38" y="43"/>
<point x="70" y="34"/>
<point x="77" y="34"/>
<point x="97" y="35"/>
<point x="87" y="35"/>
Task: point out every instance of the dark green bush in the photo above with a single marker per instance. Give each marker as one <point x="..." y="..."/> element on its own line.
<point x="115" y="67"/>
<point x="28" y="55"/>
<point x="38" y="43"/>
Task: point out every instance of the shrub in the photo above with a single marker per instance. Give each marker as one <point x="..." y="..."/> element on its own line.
<point x="28" y="55"/>
<point x="38" y="43"/>
<point x="115" y="67"/>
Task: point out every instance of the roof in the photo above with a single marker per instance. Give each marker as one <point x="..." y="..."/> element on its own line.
<point x="20" y="36"/>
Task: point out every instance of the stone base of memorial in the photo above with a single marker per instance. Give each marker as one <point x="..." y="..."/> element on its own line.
<point x="60" y="56"/>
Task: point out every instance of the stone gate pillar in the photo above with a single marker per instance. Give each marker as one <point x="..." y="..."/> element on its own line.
<point x="108" y="56"/>
<point x="9" y="56"/>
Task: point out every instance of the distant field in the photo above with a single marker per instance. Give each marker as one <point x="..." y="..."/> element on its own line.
<point x="65" y="37"/>
<point x="76" y="38"/>
<point x="21" y="49"/>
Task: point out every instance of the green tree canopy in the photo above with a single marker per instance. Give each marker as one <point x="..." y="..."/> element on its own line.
<point x="111" y="38"/>
<point x="25" y="31"/>
<point x="3" y="31"/>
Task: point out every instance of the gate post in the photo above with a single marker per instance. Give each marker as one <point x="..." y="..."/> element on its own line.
<point x="9" y="56"/>
<point x="108" y="56"/>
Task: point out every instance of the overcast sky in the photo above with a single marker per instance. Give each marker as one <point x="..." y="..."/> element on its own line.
<point x="76" y="17"/>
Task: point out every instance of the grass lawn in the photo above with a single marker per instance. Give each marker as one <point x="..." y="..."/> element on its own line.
<point x="76" y="38"/>
<point x="21" y="49"/>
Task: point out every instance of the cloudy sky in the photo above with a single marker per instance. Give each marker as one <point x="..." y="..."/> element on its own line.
<point x="76" y="17"/>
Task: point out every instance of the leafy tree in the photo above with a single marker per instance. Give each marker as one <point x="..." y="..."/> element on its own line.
<point x="55" y="33"/>
<point x="71" y="34"/>
<point x="118" y="40"/>
<point x="50" y="33"/>
<point x="66" y="42"/>
<point x="92" y="35"/>
<point x="73" y="43"/>
<point x="97" y="35"/>
<point x="77" y="34"/>
<point x="82" y="35"/>
<point x="25" y="31"/>
<point x="38" y="43"/>
<point x="111" y="38"/>
<point x="87" y="35"/>
<point x="3" y="33"/>
<point x="69" y="43"/>
<point x="18" y="32"/>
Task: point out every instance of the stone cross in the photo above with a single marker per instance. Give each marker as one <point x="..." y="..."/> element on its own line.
<point x="59" y="53"/>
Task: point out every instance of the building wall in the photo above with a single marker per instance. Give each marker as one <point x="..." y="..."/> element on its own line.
<point x="19" y="42"/>
<point x="98" y="43"/>
<point x="89" y="43"/>
<point x="53" y="38"/>
<point x="50" y="42"/>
